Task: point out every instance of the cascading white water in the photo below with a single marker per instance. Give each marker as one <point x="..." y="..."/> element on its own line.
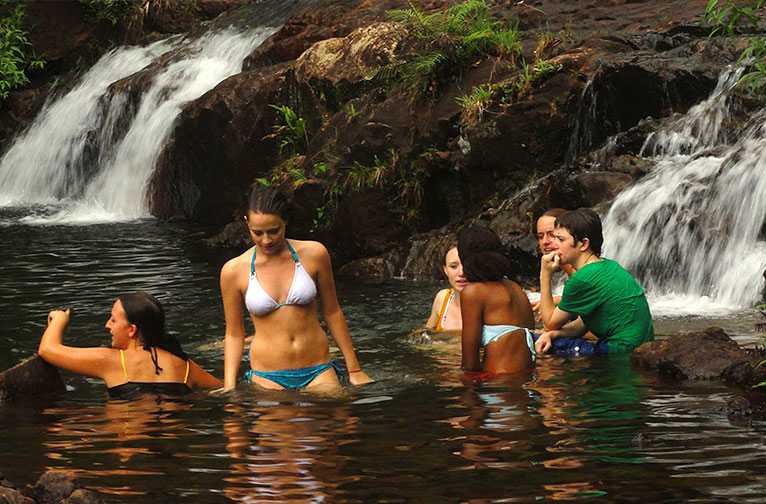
<point x="80" y="155"/>
<point x="45" y="163"/>
<point x="692" y="230"/>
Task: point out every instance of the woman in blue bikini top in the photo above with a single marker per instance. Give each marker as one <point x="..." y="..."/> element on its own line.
<point x="278" y="281"/>
<point x="497" y="315"/>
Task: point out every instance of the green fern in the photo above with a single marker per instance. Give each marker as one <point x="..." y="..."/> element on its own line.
<point x="451" y="38"/>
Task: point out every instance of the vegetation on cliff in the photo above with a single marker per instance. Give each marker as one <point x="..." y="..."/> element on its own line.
<point x="16" y="54"/>
<point x="439" y="50"/>
<point x="108" y="10"/>
<point x="726" y="18"/>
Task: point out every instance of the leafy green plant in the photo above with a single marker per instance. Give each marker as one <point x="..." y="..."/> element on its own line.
<point x="296" y="137"/>
<point x="543" y="68"/>
<point x="725" y="16"/>
<point x="525" y="78"/>
<point x="451" y="38"/>
<point x="16" y="56"/>
<point x="107" y="10"/>
<point x="475" y="103"/>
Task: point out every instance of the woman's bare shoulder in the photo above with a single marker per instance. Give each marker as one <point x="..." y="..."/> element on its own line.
<point x="308" y="246"/>
<point x="513" y="287"/>
<point x="310" y="251"/>
<point x="238" y="263"/>
<point x="441" y="295"/>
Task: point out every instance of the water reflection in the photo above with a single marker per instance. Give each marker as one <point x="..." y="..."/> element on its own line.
<point x="121" y="438"/>
<point x="286" y="452"/>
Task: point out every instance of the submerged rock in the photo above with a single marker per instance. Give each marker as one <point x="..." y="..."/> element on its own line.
<point x="32" y="379"/>
<point x="13" y="496"/>
<point x="60" y="487"/>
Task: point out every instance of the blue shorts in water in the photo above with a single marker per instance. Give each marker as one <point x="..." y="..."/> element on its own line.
<point x="571" y="347"/>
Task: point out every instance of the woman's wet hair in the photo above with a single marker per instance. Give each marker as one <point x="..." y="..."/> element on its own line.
<point x="266" y="200"/>
<point x="583" y="223"/>
<point x="481" y="253"/>
<point x="145" y="312"/>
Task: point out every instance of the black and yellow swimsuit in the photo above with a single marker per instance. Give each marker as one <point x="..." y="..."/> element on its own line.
<point x="130" y="388"/>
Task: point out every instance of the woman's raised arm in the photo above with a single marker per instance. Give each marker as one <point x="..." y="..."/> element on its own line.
<point x="92" y="361"/>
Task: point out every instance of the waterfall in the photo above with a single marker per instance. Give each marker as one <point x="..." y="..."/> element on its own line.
<point x="89" y="155"/>
<point x="583" y="127"/>
<point x="693" y="230"/>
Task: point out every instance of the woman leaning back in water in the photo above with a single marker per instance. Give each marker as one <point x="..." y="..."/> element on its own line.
<point x="144" y="358"/>
<point x="278" y="281"/>
<point x="445" y="313"/>
<point x="497" y="315"/>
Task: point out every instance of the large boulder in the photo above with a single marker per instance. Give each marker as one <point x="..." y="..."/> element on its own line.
<point x="705" y="355"/>
<point x="353" y="57"/>
<point x="31" y="380"/>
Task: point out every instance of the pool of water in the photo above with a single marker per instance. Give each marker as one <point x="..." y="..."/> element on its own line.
<point x="589" y="429"/>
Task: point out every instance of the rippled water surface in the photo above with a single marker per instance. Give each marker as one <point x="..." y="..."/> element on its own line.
<point x="592" y="429"/>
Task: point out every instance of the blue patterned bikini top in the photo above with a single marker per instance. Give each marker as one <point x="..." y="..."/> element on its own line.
<point x="302" y="291"/>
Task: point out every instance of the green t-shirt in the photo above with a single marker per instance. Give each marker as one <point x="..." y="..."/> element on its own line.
<point x="611" y="303"/>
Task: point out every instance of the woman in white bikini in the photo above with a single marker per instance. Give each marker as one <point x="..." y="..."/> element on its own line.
<point x="278" y="280"/>
<point x="445" y="313"/>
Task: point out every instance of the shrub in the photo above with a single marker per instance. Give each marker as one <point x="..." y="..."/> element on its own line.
<point x="725" y="16"/>
<point x="16" y="56"/>
<point x="107" y="10"/>
<point x="451" y="39"/>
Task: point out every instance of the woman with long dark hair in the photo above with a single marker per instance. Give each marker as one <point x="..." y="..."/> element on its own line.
<point x="143" y="357"/>
<point x="279" y="280"/>
<point x="445" y="312"/>
<point x="497" y="315"/>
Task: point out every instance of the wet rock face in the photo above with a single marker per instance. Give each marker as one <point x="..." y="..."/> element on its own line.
<point x="31" y="380"/>
<point x="706" y="355"/>
<point x="617" y="63"/>
<point x="203" y="176"/>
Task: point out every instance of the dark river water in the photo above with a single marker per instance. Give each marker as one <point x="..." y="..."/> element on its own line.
<point x="588" y="429"/>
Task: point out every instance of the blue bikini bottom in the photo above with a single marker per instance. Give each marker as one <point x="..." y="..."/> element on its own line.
<point x="295" y="378"/>
<point x="568" y="347"/>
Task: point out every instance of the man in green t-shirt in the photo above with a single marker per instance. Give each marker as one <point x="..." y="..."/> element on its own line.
<point x="600" y="297"/>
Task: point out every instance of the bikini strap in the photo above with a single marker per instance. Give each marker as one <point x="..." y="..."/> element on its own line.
<point x="186" y="377"/>
<point x="446" y="302"/>
<point x="124" y="369"/>
<point x="292" y="251"/>
<point x="290" y="247"/>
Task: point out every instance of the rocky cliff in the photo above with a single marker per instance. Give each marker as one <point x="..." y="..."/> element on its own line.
<point x="384" y="169"/>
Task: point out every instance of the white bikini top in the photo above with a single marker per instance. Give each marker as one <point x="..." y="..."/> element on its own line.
<point x="302" y="291"/>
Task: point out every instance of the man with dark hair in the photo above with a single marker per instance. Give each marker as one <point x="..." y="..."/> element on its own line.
<point x="600" y="297"/>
